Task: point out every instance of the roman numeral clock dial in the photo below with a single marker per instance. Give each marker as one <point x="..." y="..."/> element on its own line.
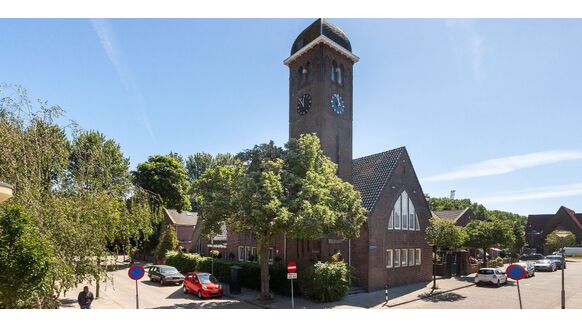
<point x="303" y="104"/>
<point x="337" y="103"/>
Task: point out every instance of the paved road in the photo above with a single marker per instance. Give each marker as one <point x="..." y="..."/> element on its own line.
<point x="539" y="292"/>
<point x="120" y="294"/>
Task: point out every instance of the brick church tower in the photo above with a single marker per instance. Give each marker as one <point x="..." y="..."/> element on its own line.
<point x="320" y="91"/>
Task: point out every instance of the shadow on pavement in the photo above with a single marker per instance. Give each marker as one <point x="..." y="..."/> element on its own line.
<point x="206" y="305"/>
<point x="157" y="284"/>
<point x="443" y="297"/>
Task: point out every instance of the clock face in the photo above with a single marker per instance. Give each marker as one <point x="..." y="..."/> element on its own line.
<point x="337" y="103"/>
<point x="303" y="104"/>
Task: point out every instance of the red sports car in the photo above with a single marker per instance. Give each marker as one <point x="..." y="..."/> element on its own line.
<point x="202" y="284"/>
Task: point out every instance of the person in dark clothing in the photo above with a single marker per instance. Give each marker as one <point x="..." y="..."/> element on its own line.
<point x="85" y="298"/>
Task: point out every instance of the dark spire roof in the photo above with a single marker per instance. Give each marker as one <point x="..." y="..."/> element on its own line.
<point x="321" y="27"/>
<point x="370" y="174"/>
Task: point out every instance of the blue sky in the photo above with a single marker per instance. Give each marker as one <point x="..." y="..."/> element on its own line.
<point x="490" y="108"/>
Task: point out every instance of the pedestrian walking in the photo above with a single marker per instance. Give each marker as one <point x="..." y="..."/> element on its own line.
<point x="85" y="298"/>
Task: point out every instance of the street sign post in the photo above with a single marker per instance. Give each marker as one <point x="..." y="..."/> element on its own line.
<point x="292" y="275"/>
<point x="136" y="272"/>
<point x="516" y="272"/>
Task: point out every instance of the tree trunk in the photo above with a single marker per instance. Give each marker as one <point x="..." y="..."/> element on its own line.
<point x="263" y="248"/>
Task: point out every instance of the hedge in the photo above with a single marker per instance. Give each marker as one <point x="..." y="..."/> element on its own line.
<point x="250" y="271"/>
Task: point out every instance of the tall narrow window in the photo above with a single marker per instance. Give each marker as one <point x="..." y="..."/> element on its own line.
<point x="396" y="258"/>
<point x="410" y="256"/>
<point x="411" y="216"/>
<point x="332" y="70"/>
<point x="397" y="213"/>
<point x="404" y="257"/>
<point x="404" y="210"/>
<point x="391" y="220"/>
<point x="340" y="74"/>
<point x="389" y="263"/>
<point x="417" y="256"/>
<point x="241" y="253"/>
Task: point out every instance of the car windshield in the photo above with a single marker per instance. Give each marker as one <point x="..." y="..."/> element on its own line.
<point x="207" y="278"/>
<point x="554" y="257"/>
<point x="169" y="270"/>
<point x="486" y="271"/>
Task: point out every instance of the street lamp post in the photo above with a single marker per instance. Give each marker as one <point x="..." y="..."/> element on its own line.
<point x="562" y="234"/>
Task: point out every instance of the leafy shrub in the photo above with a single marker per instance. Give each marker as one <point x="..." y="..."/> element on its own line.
<point x="499" y="259"/>
<point x="492" y="264"/>
<point x="184" y="262"/>
<point x="326" y="282"/>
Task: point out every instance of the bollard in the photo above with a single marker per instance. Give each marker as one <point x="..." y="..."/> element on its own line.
<point x="386" y="294"/>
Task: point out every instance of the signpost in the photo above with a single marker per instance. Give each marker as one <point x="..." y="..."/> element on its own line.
<point x="516" y="272"/>
<point x="136" y="272"/>
<point x="292" y="275"/>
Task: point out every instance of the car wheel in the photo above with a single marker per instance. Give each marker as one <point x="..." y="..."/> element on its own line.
<point x="200" y="294"/>
<point x="498" y="284"/>
<point x="162" y="282"/>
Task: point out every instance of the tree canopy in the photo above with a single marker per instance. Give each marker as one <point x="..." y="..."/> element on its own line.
<point x="73" y="195"/>
<point x="556" y="240"/>
<point x="167" y="177"/>
<point x="489" y="233"/>
<point x="272" y="190"/>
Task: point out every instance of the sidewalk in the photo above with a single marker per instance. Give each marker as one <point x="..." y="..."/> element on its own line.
<point x="376" y="299"/>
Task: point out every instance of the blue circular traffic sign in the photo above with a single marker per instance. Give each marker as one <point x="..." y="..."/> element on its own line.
<point x="136" y="272"/>
<point x="515" y="272"/>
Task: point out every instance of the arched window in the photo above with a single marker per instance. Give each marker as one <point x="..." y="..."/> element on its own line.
<point x="333" y="70"/>
<point x="340" y="74"/>
<point x="403" y="215"/>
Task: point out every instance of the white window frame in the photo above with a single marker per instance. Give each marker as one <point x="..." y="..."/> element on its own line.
<point x="241" y="253"/>
<point x="411" y="257"/>
<point x="404" y="209"/>
<point x="271" y="255"/>
<point x="391" y="221"/>
<point x="396" y="258"/>
<point x="254" y="254"/>
<point x="417" y="256"/>
<point x="404" y="259"/>
<point x="247" y="253"/>
<point x="390" y="261"/>
<point x="397" y="214"/>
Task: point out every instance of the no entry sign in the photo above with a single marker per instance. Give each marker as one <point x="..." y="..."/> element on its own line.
<point x="515" y="272"/>
<point x="136" y="272"/>
<point x="291" y="267"/>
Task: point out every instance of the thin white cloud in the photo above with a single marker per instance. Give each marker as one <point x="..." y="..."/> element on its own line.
<point x="465" y="41"/>
<point x="546" y="192"/>
<point x="108" y="41"/>
<point x="506" y="165"/>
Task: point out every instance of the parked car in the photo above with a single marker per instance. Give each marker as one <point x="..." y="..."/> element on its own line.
<point x="493" y="276"/>
<point x="532" y="257"/>
<point x="165" y="274"/>
<point x="529" y="268"/>
<point x="545" y="265"/>
<point x="558" y="260"/>
<point x="202" y="284"/>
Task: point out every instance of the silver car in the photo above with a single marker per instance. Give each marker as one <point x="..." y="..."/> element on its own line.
<point x="545" y="265"/>
<point x="493" y="276"/>
<point x="529" y="268"/>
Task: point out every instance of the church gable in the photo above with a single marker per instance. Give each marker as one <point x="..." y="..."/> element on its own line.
<point x="371" y="173"/>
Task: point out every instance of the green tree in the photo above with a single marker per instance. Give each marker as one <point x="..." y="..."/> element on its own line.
<point x="556" y="240"/>
<point x="443" y="234"/>
<point x="168" y="242"/>
<point x="198" y="163"/>
<point x="25" y="258"/>
<point x="167" y="177"/>
<point x="71" y="192"/>
<point x="272" y="191"/>
<point x="518" y="222"/>
<point x="489" y="233"/>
